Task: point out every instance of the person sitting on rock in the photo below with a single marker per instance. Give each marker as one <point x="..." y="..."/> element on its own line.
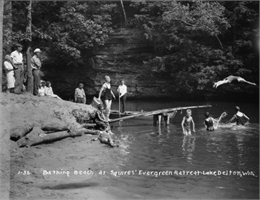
<point x="41" y="89"/>
<point x="103" y="125"/>
<point x="49" y="92"/>
<point x="231" y="79"/>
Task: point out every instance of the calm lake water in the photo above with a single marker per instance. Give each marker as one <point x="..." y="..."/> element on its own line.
<point x="231" y="150"/>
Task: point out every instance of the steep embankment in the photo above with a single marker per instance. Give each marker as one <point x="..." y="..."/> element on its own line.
<point x="22" y="169"/>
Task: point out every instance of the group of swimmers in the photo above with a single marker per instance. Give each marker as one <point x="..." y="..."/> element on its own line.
<point x="211" y="123"/>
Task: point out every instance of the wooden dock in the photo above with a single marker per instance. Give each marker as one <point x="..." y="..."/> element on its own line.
<point x="166" y="114"/>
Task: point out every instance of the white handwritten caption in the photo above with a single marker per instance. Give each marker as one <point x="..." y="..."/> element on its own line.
<point x="144" y="173"/>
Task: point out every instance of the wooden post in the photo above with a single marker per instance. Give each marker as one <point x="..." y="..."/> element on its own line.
<point x="159" y="119"/>
<point x="155" y="120"/>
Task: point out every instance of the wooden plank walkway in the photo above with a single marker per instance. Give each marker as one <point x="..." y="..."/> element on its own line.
<point x="156" y="112"/>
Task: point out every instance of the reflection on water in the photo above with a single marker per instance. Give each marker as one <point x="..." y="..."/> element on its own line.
<point x="188" y="147"/>
<point x="148" y="148"/>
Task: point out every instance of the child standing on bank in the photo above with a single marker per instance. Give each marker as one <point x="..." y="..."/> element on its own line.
<point x="186" y="123"/>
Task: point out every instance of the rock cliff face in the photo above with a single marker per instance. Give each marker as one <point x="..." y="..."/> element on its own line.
<point x="122" y="57"/>
<point x="125" y="56"/>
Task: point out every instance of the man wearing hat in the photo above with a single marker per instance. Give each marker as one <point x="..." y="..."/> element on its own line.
<point x="17" y="60"/>
<point x="36" y="66"/>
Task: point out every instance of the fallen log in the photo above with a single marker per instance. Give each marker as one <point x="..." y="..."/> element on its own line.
<point x="36" y="138"/>
<point x="17" y="132"/>
<point x="54" y="127"/>
<point x="88" y="125"/>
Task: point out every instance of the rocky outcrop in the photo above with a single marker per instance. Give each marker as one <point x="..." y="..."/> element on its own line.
<point x="124" y="56"/>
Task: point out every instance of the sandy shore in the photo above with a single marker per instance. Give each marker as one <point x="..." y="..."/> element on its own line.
<point x="49" y="171"/>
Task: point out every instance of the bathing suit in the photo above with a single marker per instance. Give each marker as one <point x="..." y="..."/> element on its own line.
<point x="240" y="120"/>
<point x="186" y="124"/>
<point x="210" y="124"/>
<point x="233" y="79"/>
<point x="108" y="95"/>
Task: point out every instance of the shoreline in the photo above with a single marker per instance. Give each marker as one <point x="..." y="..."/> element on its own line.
<point x="22" y="168"/>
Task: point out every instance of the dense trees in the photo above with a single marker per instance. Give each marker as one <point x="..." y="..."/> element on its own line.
<point x="191" y="40"/>
<point x="194" y="42"/>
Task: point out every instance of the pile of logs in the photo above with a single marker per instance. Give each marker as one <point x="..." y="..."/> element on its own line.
<point x="29" y="134"/>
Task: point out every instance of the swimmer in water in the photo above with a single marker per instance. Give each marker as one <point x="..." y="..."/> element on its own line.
<point x="186" y="123"/>
<point x="231" y="79"/>
<point x="239" y="117"/>
<point x="210" y="123"/>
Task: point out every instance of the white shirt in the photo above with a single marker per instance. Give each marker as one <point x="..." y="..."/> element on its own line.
<point x="17" y="57"/>
<point x="80" y="93"/>
<point x="36" y="62"/>
<point x="122" y="89"/>
<point x="48" y="91"/>
<point x="8" y="66"/>
<point x="41" y="91"/>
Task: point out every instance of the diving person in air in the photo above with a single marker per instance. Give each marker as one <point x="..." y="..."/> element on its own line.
<point x="232" y="79"/>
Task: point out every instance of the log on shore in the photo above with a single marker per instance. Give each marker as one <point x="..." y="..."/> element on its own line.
<point x="34" y="138"/>
<point x="88" y="125"/>
<point x="54" y="127"/>
<point x="18" y="132"/>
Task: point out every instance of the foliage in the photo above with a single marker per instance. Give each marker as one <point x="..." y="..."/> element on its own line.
<point x="186" y="37"/>
<point x="66" y="29"/>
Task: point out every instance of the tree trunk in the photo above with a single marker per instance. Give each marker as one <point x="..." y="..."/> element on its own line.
<point x="123" y="8"/>
<point x="7" y="27"/>
<point x="29" y="32"/>
<point x="1" y="42"/>
<point x="34" y="139"/>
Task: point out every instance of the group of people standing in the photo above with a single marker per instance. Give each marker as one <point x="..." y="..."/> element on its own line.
<point x="107" y="93"/>
<point x="14" y="68"/>
<point x="15" y="73"/>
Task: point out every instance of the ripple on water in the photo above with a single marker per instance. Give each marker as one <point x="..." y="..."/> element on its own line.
<point x="161" y="149"/>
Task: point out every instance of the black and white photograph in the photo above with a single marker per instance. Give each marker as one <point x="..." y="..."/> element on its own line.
<point x="129" y="99"/>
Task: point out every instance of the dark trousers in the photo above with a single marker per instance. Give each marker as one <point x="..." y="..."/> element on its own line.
<point x="36" y="80"/>
<point x="19" y="77"/>
<point x="80" y="100"/>
<point x="122" y="101"/>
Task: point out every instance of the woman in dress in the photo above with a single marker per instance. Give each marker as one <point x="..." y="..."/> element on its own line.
<point x="108" y="93"/>
<point x="49" y="92"/>
<point x="9" y="69"/>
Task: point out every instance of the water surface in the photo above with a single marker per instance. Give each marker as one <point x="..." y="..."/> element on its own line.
<point x="164" y="149"/>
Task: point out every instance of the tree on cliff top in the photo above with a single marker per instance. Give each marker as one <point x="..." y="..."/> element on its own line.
<point x="188" y="42"/>
<point x="65" y="29"/>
